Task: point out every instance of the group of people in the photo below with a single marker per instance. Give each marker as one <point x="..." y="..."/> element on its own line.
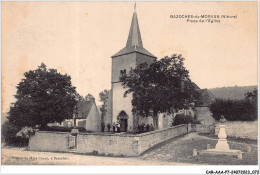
<point x="115" y="127"/>
<point x="145" y="128"/>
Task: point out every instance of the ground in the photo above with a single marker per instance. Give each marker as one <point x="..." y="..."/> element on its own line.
<point x="180" y="150"/>
<point x="176" y="151"/>
<point x="19" y="156"/>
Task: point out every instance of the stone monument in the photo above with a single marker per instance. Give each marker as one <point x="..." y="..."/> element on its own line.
<point x="222" y="147"/>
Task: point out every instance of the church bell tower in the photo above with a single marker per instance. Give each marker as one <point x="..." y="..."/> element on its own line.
<point x="131" y="55"/>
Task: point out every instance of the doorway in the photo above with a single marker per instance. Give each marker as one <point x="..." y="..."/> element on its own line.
<point x="122" y="120"/>
<point x="123" y="125"/>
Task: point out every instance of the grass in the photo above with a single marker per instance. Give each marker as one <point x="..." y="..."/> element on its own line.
<point x="234" y="139"/>
<point x="181" y="151"/>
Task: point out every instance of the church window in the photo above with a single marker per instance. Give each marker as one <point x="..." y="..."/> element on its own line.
<point x="122" y="72"/>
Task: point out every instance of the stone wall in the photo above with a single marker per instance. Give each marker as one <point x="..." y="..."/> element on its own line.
<point x="150" y="139"/>
<point x="239" y="129"/>
<point x="204" y="128"/>
<point x="126" y="145"/>
<point x="49" y="141"/>
<point x="107" y="144"/>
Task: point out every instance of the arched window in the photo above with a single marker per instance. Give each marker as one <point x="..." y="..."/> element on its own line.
<point x="123" y="72"/>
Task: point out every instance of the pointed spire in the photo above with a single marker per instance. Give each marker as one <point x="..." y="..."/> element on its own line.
<point x="134" y="37"/>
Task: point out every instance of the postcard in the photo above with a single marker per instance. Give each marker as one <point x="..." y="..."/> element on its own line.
<point x="130" y="83"/>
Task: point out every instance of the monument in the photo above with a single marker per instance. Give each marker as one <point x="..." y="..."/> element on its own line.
<point x="222" y="147"/>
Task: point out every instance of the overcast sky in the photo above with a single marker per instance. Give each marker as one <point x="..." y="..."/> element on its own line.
<point x="79" y="38"/>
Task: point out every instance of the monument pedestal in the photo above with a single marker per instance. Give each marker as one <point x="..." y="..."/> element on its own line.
<point x="222" y="147"/>
<point x="230" y="152"/>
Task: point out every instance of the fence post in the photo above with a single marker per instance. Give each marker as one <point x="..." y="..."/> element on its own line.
<point x="189" y="127"/>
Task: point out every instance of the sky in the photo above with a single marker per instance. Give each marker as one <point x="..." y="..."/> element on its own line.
<point x="79" y="38"/>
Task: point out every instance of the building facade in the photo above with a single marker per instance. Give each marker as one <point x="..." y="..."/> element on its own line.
<point x="122" y="62"/>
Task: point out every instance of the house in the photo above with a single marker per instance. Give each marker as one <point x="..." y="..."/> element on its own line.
<point x="87" y="117"/>
<point x="202" y="110"/>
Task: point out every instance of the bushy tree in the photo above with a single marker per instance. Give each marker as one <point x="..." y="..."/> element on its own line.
<point x="236" y="110"/>
<point x="184" y="119"/>
<point x="163" y="86"/>
<point x="8" y="134"/>
<point x="104" y="99"/>
<point x="43" y="96"/>
<point x="103" y="96"/>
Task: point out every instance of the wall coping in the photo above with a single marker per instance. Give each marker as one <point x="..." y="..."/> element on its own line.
<point x="119" y="135"/>
<point x="203" y="125"/>
<point x="152" y="132"/>
<point x="52" y="132"/>
<point x="136" y="135"/>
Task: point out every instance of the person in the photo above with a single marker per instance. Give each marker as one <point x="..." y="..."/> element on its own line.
<point x="147" y="127"/>
<point x="142" y="127"/>
<point x="222" y="119"/>
<point x="118" y="127"/>
<point x="114" y="127"/>
<point x="152" y="128"/>
<point x="108" y="127"/>
<point x="102" y="127"/>
<point x="139" y="128"/>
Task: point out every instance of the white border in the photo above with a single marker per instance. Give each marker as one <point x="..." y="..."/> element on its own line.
<point x="177" y="169"/>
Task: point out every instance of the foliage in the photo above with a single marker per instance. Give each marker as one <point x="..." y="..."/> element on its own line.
<point x="104" y="99"/>
<point x="43" y="96"/>
<point x="9" y="137"/>
<point x="163" y="86"/>
<point x="252" y="96"/>
<point x="183" y="119"/>
<point x="233" y="92"/>
<point x="103" y="96"/>
<point x="62" y="129"/>
<point x="82" y="104"/>
<point x="236" y="110"/>
<point x="89" y="97"/>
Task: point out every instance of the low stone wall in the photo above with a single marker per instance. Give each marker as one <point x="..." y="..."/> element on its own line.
<point x="126" y="145"/>
<point x="49" y="141"/>
<point x="108" y="144"/>
<point x="204" y="128"/>
<point x="150" y="139"/>
<point x="245" y="130"/>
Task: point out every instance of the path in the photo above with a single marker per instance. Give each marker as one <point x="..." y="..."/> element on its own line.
<point x="177" y="151"/>
<point x="180" y="150"/>
<point x="19" y="156"/>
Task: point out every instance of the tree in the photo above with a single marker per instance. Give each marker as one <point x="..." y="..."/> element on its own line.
<point x="43" y="96"/>
<point x="236" y="110"/>
<point x="103" y="98"/>
<point x="89" y="97"/>
<point x="251" y="95"/>
<point x="163" y="86"/>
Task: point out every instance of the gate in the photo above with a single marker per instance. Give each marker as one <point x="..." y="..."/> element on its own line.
<point x="73" y="139"/>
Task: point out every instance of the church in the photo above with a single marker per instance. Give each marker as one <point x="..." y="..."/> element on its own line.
<point x="119" y="108"/>
<point x="123" y="61"/>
